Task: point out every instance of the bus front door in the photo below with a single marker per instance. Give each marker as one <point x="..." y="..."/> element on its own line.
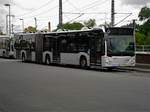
<point x="95" y="52"/>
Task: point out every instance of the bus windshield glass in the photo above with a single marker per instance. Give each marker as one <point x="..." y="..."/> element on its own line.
<point x="120" y="46"/>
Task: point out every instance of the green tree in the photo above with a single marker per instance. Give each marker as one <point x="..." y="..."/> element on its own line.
<point x="147" y="41"/>
<point x="1" y="32"/>
<point x="140" y="38"/>
<point x="30" y="29"/>
<point x="143" y="34"/>
<point x="145" y="28"/>
<point x="144" y="13"/>
<point x="90" y="23"/>
<point x="71" y="26"/>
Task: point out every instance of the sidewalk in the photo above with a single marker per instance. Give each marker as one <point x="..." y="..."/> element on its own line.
<point x="139" y="67"/>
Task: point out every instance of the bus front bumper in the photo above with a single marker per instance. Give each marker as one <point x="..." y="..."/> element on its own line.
<point x="118" y="61"/>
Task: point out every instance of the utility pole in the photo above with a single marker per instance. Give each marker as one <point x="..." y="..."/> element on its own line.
<point x="112" y="13"/>
<point x="49" y="26"/>
<point x="35" y="23"/>
<point x="8" y="5"/>
<point x="134" y="23"/>
<point x="12" y="28"/>
<point x="9" y="22"/>
<point x="60" y="14"/>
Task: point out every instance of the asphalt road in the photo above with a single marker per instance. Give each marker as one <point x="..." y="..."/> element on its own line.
<point x="27" y="87"/>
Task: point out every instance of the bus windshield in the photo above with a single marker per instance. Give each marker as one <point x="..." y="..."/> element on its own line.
<point x="120" y="46"/>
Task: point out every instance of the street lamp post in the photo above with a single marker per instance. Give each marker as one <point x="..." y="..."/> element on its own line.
<point x="7" y="24"/>
<point x="8" y="5"/>
<point x="22" y="24"/>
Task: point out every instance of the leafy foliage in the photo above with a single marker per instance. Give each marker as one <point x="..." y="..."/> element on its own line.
<point x="90" y="23"/>
<point x="77" y="25"/>
<point x="1" y="33"/>
<point x="30" y="29"/>
<point x="71" y="26"/>
<point x="140" y="38"/>
<point x="144" y="13"/>
<point x="143" y="34"/>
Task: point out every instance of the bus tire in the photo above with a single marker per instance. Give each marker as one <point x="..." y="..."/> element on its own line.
<point x="23" y="57"/>
<point x="47" y="60"/>
<point x="83" y="62"/>
<point x="4" y="54"/>
<point x="110" y="68"/>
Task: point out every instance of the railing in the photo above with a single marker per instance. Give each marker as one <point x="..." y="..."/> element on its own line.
<point x="142" y="48"/>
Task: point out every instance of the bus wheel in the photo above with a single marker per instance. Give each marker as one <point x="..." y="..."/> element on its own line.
<point x="4" y="54"/>
<point x="47" y="60"/>
<point x="110" y="68"/>
<point x="83" y="62"/>
<point x="23" y="57"/>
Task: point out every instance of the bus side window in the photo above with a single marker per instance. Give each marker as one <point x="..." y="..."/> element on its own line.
<point x="12" y="48"/>
<point x="63" y="45"/>
<point x="47" y="44"/>
<point x="72" y="47"/>
<point x="98" y="45"/>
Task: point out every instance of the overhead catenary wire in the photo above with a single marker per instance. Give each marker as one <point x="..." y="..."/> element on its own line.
<point x="76" y="18"/>
<point x="86" y="7"/>
<point x="89" y="5"/>
<point x="32" y="11"/>
<point x="129" y="14"/>
<point x="38" y="15"/>
<point x="78" y="12"/>
<point x="84" y="12"/>
<point x="21" y="7"/>
<point x="43" y="12"/>
<point x="70" y="3"/>
<point x="94" y="4"/>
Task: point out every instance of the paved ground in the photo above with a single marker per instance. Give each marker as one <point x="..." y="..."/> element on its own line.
<point x="26" y="87"/>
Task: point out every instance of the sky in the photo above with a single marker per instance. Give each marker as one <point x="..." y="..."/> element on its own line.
<point x="47" y="10"/>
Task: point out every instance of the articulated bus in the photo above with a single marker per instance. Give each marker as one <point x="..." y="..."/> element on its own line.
<point x="6" y="47"/>
<point x="113" y="47"/>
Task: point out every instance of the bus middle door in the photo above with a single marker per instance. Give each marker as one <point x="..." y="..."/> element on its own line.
<point x="55" y="50"/>
<point x="95" y="54"/>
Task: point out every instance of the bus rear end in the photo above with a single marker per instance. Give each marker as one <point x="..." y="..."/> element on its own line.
<point x="119" y="47"/>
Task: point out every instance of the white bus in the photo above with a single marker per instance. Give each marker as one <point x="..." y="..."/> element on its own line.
<point x="113" y="47"/>
<point x="6" y="47"/>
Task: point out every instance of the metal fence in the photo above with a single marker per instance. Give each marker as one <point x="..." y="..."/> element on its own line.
<point x="143" y="48"/>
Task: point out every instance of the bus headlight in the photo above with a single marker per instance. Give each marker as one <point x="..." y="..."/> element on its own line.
<point x="108" y="61"/>
<point x="132" y="61"/>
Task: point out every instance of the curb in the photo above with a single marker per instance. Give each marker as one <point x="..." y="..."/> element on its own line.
<point x="136" y="69"/>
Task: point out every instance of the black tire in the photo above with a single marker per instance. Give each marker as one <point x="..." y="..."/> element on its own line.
<point x="23" y="57"/>
<point x="47" y="60"/>
<point x="110" y="68"/>
<point x="4" y="54"/>
<point x="83" y="62"/>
